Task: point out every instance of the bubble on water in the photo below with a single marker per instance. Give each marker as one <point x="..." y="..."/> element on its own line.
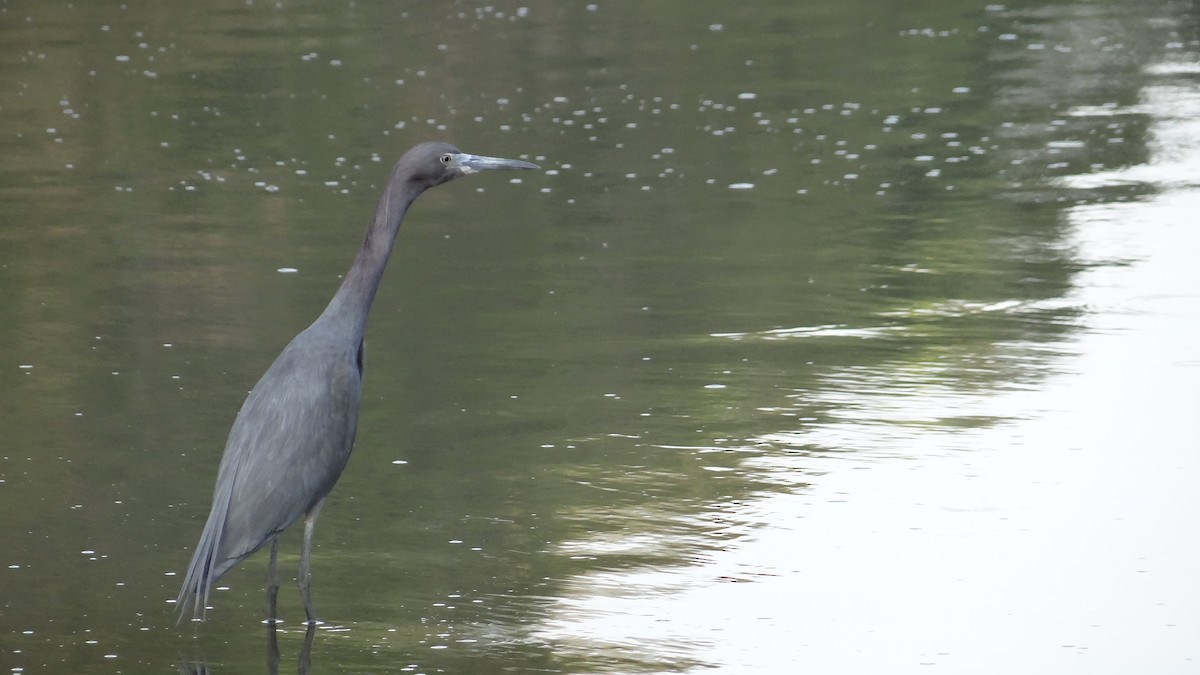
<point x="741" y="186"/>
<point x="287" y="270"/>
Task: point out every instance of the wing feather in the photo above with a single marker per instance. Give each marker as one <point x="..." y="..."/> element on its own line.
<point x="288" y="446"/>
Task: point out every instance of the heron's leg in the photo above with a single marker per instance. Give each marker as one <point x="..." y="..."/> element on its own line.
<point x="305" y="576"/>
<point x="272" y="648"/>
<point x="304" y="662"/>
<point x="272" y="581"/>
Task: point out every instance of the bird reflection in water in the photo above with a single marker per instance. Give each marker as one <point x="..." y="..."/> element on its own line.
<point x="303" y="660"/>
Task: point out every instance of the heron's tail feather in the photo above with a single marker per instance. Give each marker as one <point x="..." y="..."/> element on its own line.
<point x="204" y="570"/>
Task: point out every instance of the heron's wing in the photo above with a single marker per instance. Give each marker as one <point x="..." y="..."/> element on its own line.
<point x="289" y="444"/>
<point x="286" y="449"/>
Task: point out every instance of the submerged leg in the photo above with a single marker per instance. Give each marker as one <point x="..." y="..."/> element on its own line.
<point x="304" y="662"/>
<point x="305" y="576"/>
<point x="272" y="648"/>
<point x="272" y="581"/>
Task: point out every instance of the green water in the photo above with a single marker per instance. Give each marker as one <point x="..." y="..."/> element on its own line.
<point x="817" y="313"/>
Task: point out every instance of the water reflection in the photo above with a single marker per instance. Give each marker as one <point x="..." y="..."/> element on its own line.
<point x="303" y="657"/>
<point x="303" y="660"/>
<point x="837" y="564"/>
<point x="841" y="337"/>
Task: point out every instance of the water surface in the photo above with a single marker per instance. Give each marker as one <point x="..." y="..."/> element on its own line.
<point x="834" y="337"/>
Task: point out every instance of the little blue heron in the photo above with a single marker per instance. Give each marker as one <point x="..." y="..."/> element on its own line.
<point x="294" y="433"/>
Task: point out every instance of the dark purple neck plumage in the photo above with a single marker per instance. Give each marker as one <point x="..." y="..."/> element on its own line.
<point x="348" y="309"/>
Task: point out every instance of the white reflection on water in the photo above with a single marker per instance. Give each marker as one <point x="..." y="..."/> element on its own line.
<point x="833" y="330"/>
<point x="1062" y="542"/>
<point x="1174" y="139"/>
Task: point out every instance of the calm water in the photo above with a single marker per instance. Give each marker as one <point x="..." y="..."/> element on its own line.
<point x="836" y="336"/>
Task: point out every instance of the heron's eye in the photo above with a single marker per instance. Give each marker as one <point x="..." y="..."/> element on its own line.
<point x="446" y="158"/>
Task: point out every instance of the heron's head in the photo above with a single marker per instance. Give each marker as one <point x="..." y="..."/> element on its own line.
<point x="434" y="163"/>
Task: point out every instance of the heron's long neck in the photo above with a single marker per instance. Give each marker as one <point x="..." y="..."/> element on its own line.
<point x="350" y="305"/>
